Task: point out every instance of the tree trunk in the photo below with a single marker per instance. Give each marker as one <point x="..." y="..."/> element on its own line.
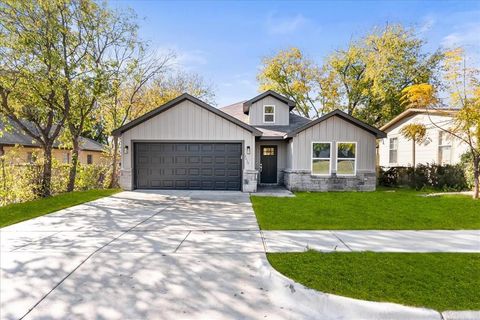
<point x="73" y="169"/>
<point x="476" y="173"/>
<point x="413" y="154"/>
<point x="45" y="190"/>
<point x="113" y="178"/>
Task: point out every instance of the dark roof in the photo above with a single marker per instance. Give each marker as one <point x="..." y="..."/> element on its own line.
<point x="12" y="134"/>
<point x="378" y="133"/>
<point x="413" y="111"/>
<point x="248" y="103"/>
<point x="176" y="101"/>
<point x="236" y="111"/>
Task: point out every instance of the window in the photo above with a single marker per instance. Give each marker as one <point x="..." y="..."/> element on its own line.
<point x="444" y="147"/>
<point x="393" y="154"/>
<point x="66" y="157"/>
<point x="30" y="157"/>
<point x="89" y="159"/>
<point x="321" y="155"/>
<point x="268" y="114"/>
<point x="346" y="158"/>
<point x="268" y="151"/>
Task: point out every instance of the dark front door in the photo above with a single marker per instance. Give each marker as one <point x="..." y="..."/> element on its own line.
<point x="268" y="160"/>
<point x="202" y="165"/>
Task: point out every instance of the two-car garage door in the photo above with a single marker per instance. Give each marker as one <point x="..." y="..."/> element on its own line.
<point x="201" y="166"/>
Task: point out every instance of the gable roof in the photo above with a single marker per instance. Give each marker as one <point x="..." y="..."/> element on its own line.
<point x="175" y="102"/>
<point x="16" y="136"/>
<point x="270" y="131"/>
<point x="413" y="111"/>
<point x="247" y="104"/>
<point x="376" y="132"/>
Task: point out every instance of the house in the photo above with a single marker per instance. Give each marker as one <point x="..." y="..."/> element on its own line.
<point x="437" y="147"/>
<point x="188" y="144"/>
<point x="24" y="149"/>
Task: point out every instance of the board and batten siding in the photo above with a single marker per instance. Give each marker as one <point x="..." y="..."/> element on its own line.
<point x="334" y="130"/>
<point x="188" y="122"/>
<point x="426" y="151"/>
<point x="282" y="112"/>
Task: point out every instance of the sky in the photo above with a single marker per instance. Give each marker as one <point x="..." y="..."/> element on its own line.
<point x="225" y="41"/>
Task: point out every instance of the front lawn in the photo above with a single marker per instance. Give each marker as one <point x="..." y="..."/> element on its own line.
<point x="379" y="210"/>
<point x="442" y="281"/>
<point x="18" y="212"/>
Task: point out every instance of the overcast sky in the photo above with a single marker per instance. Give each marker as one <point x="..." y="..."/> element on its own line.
<point x="225" y="41"/>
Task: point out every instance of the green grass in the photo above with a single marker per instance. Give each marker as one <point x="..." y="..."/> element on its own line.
<point x="442" y="281"/>
<point x="379" y="210"/>
<point x="18" y="212"/>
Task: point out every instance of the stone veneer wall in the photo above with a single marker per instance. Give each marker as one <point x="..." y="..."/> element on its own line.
<point x="302" y="180"/>
<point x="125" y="180"/>
<point x="250" y="178"/>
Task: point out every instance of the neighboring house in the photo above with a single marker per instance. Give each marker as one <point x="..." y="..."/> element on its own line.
<point x="437" y="147"/>
<point x="188" y="144"/>
<point x="14" y="139"/>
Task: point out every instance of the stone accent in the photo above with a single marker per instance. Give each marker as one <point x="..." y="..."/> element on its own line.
<point x="250" y="178"/>
<point x="302" y="180"/>
<point x="125" y="179"/>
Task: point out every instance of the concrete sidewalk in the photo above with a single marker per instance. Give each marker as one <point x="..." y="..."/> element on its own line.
<point x="373" y="240"/>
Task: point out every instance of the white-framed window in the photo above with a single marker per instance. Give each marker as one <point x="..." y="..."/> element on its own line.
<point x="444" y="147"/>
<point x="393" y="150"/>
<point x="268" y="113"/>
<point x="321" y="158"/>
<point x="346" y="159"/>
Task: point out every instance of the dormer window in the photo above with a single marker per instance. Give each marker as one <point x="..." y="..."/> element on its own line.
<point x="269" y="114"/>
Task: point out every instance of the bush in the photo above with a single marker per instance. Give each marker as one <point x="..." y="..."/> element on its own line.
<point x="445" y="178"/>
<point x="466" y="161"/>
<point x="21" y="182"/>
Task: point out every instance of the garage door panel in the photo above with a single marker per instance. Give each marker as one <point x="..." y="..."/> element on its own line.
<point x="209" y="166"/>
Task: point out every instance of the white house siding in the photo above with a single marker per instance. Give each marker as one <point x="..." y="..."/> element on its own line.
<point x="426" y="151"/>
<point x="281" y="156"/>
<point x="281" y="112"/>
<point x="186" y="122"/>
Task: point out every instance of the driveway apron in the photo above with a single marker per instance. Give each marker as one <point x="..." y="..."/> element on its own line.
<point x="159" y="255"/>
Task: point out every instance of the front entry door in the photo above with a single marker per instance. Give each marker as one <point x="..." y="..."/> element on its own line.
<point x="268" y="161"/>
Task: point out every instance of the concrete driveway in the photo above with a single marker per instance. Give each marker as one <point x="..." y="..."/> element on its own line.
<point x="159" y="255"/>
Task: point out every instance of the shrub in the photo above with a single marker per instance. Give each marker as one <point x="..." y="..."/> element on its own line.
<point x="446" y="177"/>
<point x="21" y="182"/>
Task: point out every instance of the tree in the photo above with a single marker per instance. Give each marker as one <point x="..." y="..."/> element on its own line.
<point x="165" y="87"/>
<point x="32" y="58"/>
<point x="134" y="69"/>
<point x="365" y="80"/>
<point x="142" y="85"/>
<point x="290" y="73"/>
<point x="92" y="31"/>
<point x="462" y="84"/>
<point x="416" y="133"/>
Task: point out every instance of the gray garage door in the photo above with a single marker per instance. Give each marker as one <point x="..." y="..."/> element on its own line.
<point x="204" y="166"/>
